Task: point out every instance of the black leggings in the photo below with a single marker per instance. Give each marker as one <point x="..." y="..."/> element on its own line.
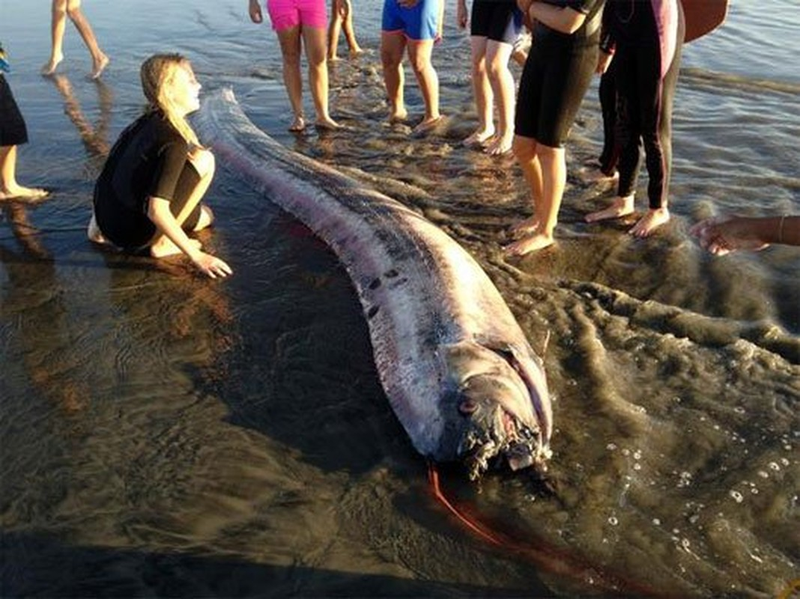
<point x="644" y="117"/>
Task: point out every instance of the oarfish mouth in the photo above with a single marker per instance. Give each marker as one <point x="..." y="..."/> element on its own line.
<point x="499" y="436"/>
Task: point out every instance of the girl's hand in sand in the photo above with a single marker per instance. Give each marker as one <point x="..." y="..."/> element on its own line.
<point x="255" y="12"/>
<point x="211" y="265"/>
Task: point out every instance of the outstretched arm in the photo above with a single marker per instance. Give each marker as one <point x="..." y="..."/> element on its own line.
<point x="723" y="235"/>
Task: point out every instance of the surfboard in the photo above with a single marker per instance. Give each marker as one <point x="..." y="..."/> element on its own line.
<point x="703" y="16"/>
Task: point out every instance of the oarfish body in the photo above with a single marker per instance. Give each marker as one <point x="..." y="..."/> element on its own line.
<point x="455" y="365"/>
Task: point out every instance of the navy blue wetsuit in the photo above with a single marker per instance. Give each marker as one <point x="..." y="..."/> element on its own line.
<point x="150" y="159"/>
<point x="556" y="75"/>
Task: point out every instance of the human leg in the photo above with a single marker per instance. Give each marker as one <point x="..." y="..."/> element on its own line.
<point x="57" y="26"/>
<point x="502" y="82"/>
<point x="628" y="136"/>
<point x="190" y="214"/>
<point x="482" y="92"/>
<point x="524" y="149"/>
<point x="392" y="49"/>
<point x="9" y="187"/>
<point x="553" y="168"/>
<point x="314" y="41"/>
<point x="334" y="29"/>
<point x="289" y="39"/>
<point x="349" y="29"/>
<point x="419" y="55"/>
<point x="99" y="59"/>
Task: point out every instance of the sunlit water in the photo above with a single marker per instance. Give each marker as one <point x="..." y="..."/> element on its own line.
<point x="162" y="434"/>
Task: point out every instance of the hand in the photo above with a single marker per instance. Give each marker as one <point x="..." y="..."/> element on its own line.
<point x="211" y="265"/>
<point x="724" y="235"/>
<point x="255" y="12"/>
<point x="340" y="8"/>
<point x="202" y="160"/>
<point x="462" y="16"/>
<point x="603" y="61"/>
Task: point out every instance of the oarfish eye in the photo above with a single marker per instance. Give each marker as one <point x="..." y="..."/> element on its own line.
<point x="467" y="406"/>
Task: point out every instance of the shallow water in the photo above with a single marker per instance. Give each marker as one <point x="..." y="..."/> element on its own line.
<point x="166" y="435"/>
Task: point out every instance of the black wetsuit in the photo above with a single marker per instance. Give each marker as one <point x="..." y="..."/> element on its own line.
<point x="644" y="96"/>
<point x="556" y="75"/>
<point x="150" y="159"/>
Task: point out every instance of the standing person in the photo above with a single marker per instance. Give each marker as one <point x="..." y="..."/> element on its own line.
<point x="648" y="36"/>
<point x="414" y="25"/>
<point x="148" y="196"/>
<point x="557" y="74"/>
<point x="13" y="133"/>
<point x="494" y="29"/>
<point x="342" y="20"/>
<point x="62" y="9"/>
<point x="298" y="23"/>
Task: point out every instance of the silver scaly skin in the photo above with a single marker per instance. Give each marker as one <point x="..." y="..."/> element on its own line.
<point x="455" y="365"/>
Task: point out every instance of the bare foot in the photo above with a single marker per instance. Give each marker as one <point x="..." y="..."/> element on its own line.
<point x="398" y="116"/>
<point x="650" y="222"/>
<point x="326" y="123"/>
<point x="479" y="137"/>
<point x="534" y="243"/>
<point x="428" y="124"/>
<point x="619" y="208"/>
<point x="50" y="66"/>
<point x="23" y="194"/>
<point x="595" y="175"/>
<point x="356" y="51"/>
<point x="99" y="65"/>
<point x="94" y="233"/>
<point x="500" y="145"/>
<point x="164" y="247"/>
<point x="526" y="227"/>
<point x="298" y="124"/>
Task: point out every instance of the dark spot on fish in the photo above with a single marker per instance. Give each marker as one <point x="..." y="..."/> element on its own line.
<point x="375" y="284"/>
<point x="390" y="274"/>
<point x="372" y="311"/>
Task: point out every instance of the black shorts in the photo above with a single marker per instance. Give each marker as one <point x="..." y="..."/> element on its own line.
<point x="553" y="83"/>
<point x="496" y="20"/>
<point x="134" y="231"/>
<point x="13" y="131"/>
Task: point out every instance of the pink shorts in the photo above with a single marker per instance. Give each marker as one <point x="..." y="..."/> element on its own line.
<point x="285" y="14"/>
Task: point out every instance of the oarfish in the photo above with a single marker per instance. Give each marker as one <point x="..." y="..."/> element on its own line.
<point x="455" y="365"/>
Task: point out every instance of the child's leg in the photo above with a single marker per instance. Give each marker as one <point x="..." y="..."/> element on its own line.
<point x="57" y="26"/>
<point x="99" y="59"/>
<point x="314" y="39"/>
<point x="349" y="29"/>
<point x="334" y="29"/>
<point x="292" y="78"/>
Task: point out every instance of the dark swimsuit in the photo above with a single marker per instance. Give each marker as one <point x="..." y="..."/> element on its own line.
<point x="12" y="126"/>
<point x="556" y="76"/>
<point x="497" y="20"/>
<point x="150" y="159"/>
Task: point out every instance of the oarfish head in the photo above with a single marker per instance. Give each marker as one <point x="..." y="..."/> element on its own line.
<point x="497" y="406"/>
